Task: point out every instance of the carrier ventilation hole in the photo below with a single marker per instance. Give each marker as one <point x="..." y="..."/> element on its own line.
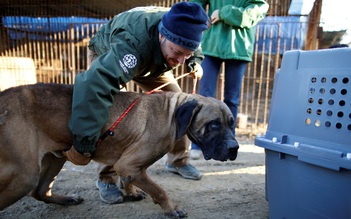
<point x="312" y="90"/>
<point x="327" y="124"/>
<point x="319" y="112"/>
<point x="313" y="79"/>
<point x="317" y="123"/>
<point x="334" y="80"/>
<point x="324" y="79"/>
<point x="320" y="101"/>
<point x="331" y="102"/>
<point x="308" y="121"/>
<point x="332" y="91"/>
<point x="338" y="125"/>
<point x="345" y="80"/>
<point x="340" y="114"/>
<point x="342" y="103"/>
<point x="309" y="111"/>
<point x="349" y="127"/>
<point x="310" y="100"/>
<point x="329" y="113"/>
<point x="343" y="92"/>
<point x="322" y="90"/>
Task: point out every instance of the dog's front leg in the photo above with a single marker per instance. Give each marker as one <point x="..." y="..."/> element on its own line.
<point x="131" y="193"/>
<point x="144" y="182"/>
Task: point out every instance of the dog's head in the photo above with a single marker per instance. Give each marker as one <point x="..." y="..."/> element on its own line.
<point x="209" y="124"/>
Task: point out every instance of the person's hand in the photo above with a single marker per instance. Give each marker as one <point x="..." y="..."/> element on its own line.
<point x="77" y="158"/>
<point x="197" y="71"/>
<point x="215" y="16"/>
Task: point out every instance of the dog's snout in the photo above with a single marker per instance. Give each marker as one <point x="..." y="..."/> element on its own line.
<point x="232" y="145"/>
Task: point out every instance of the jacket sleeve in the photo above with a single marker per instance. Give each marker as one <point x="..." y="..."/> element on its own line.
<point x="244" y="17"/>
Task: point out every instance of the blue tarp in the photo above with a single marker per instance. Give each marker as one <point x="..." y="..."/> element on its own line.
<point x="281" y="34"/>
<point x="43" y="28"/>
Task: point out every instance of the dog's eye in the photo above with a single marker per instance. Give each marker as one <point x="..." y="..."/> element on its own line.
<point x="214" y="125"/>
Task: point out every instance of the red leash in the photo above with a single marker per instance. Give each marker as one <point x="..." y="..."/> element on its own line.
<point x="110" y="132"/>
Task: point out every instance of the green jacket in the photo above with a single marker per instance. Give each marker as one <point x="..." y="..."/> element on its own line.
<point x="233" y="37"/>
<point x="128" y="47"/>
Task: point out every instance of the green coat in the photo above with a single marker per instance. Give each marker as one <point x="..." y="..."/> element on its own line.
<point x="128" y="47"/>
<point x="233" y="37"/>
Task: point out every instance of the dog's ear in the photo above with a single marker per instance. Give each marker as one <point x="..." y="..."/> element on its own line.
<point x="184" y="115"/>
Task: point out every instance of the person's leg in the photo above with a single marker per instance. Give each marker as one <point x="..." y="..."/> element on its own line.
<point x="234" y="72"/>
<point x="177" y="159"/>
<point x="107" y="185"/>
<point x="208" y="83"/>
<point x="207" y="87"/>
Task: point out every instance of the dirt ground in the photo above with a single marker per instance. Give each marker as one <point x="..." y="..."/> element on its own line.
<point x="232" y="189"/>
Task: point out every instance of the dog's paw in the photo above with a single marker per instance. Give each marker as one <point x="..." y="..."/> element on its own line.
<point x="177" y="213"/>
<point x="74" y="200"/>
<point x="182" y="213"/>
<point x="140" y="195"/>
<point x="69" y="200"/>
<point x="61" y="200"/>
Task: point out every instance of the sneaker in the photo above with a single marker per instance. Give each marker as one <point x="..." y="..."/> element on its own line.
<point x="195" y="154"/>
<point x="109" y="192"/>
<point x="188" y="171"/>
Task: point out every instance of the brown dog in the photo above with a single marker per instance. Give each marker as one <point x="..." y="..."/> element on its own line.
<point x="34" y="132"/>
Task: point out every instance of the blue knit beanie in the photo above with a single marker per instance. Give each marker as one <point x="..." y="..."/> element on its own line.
<point x="183" y="24"/>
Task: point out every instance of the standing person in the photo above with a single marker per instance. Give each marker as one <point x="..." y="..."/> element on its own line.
<point x="143" y="44"/>
<point x="230" y="40"/>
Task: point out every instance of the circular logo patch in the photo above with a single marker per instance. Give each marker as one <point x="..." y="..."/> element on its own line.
<point x="129" y="61"/>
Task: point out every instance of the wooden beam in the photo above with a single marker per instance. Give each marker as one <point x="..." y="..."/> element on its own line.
<point x="313" y="36"/>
